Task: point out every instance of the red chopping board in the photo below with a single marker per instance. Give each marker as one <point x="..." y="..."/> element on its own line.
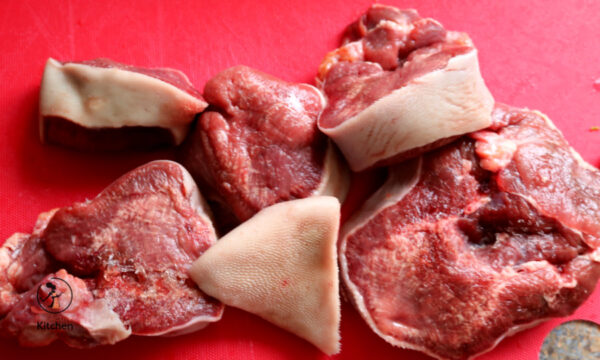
<point x="539" y="54"/>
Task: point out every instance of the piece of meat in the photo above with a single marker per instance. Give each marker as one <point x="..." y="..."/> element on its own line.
<point x="476" y="240"/>
<point x="258" y="144"/>
<point x="87" y="321"/>
<point x="23" y="263"/>
<point x="282" y="265"/>
<point x="104" y="105"/>
<point x="399" y="86"/>
<point x="127" y="251"/>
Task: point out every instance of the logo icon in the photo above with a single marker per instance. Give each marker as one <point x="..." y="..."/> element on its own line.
<point x="55" y="295"/>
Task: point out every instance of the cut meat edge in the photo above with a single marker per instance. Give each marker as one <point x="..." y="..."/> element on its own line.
<point x="102" y="326"/>
<point x="401" y="179"/>
<point x="399" y="184"/>
<point x="171" y="76"/>
<point x="574" y="153"/>
<point x="52" y="101"/>
<point x="413" y="103"/>
<point x="198" y="202"/>
<point x="203" y="210"/>
<point x="580" y="161"/>
<point x="195" y="324"/>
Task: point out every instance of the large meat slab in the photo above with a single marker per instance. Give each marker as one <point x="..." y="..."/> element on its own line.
<point x="476" y="240"/>
<point x="124" y="257"/>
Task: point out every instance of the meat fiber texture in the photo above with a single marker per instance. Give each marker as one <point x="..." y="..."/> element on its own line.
<point x="258" y="144"/>
<point x="476" y="240"/>
<point x="400" y="85"/>
<point x="104" y="105"/>
<point x="125" y="256"/>
<point x="282" y="265"/>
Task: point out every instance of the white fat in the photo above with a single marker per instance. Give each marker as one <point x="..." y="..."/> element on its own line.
<point x="495" y="152"/>
<point x="195" y="324"/>
<point x="443" y="103"/>
<point x="96" y="97"/>
<point x="103" y="323"/>
<point x="595" y="255"/>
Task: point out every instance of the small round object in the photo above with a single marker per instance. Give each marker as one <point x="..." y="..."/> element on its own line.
<point x="572" y="340"/>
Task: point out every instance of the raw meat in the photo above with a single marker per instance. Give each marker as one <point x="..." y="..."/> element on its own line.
<point x="400" y="85"/>
<point x="477" y="240"/>
<point x="258" y="144"/>
<point x="23" y="263"/>
<point x="281" y="265"/>
<point x="127" y="253"/>
<point x="88" y="321"/>
<point x="103" y="105"/>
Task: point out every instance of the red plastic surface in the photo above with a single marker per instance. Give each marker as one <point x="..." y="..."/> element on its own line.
<point x="540" y="54"/>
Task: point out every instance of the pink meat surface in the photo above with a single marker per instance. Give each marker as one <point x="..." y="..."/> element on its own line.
<point x="23" y="263"/>
<point x="87" y="321"/>
<point x="399" y="86"/>
<point x="258" y="143"/>
<point x="127" y="251"/>
<point x="384" y="39"/>
<point x="353" y="86"/>
<point x="449" y="257"/>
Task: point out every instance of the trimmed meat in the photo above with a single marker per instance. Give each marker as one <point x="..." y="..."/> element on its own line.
<point x="399" y="86"/>
<point x="126" y="256"/>
<point x="282" y="265"/>
<point x="104" y="105"/>
<point x="477" y="240"/>
<point x="258" y="144"/>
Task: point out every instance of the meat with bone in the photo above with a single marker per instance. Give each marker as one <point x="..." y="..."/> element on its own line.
<point x="400" y="85"/>
<point x="476" y="240"/>
<point x="104" y="105"/>
<point x="125" y="252"/>
<point x="258" y="144"/>
<point x="282" y="265"/>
